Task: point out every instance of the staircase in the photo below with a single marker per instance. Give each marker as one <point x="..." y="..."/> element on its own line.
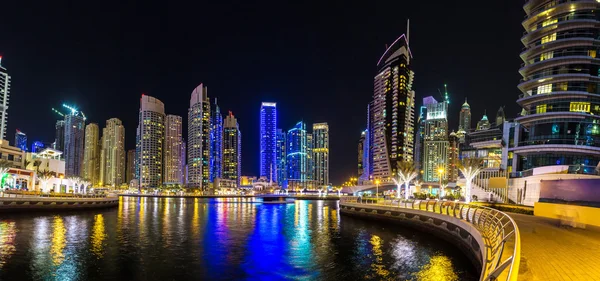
<point x="481" y="186"/>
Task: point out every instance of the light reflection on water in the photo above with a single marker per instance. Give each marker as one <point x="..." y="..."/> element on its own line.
<point x="219" y="239"/>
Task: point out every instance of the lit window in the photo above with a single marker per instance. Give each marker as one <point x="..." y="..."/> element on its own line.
<point x="546" y="55"/>
<point x="540" y="109"/>
<point x="549" y="22"/>
<point x="592" y="53"/>
<point x="579" y="107"/>
<point x="544" y="89"/>
<point x="549" y="38"/>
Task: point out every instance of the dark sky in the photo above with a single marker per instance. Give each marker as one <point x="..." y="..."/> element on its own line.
<point x="315" y="59"/>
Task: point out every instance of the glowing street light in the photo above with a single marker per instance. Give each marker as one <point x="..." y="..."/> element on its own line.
<point x="441" y="173"/>
<point x="377" y="191"/>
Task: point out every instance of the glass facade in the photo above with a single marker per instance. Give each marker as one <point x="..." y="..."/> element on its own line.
<point x="268" y="140"/>
<point x="281" y="157"/>
<point x="216" y="142"/>
<point x="297" y="154"/>
<point x="21" y="140"/>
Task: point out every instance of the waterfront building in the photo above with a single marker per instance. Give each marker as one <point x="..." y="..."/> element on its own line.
<point x="232" y="149"/>
<point x="420" y="138"/>
<point x="483" y="124"/>
<point x="150" y="141"/>
<point x="59" y="139"/>
<point x="50" y="160"/>
<point x="361" y="154"/>
<point x="297" y="157"/>
<point x="184" y="162"/>
<point x="199" y="139"/>
<point x="392" y="121"/>
<point x="37" y="146"/>
<point x="281" y="157"/>
<point x="173" y="164"/>
<point x="21" y="140"/>
<point x="130" y="169"/>
<point x="4" y="97"/>
<point x="436" y="143"/>
<point x="464" y="120"/>
<point x="268" y="140"/>
<point x="216" y="142"/>
<point x="453" y="157"/>
<point x="74" y="143"/>
<point x="560" y="92"/>
<point x="91" y="154"/>
<point x="320" y="153"/>
<point x="112" y="155"/>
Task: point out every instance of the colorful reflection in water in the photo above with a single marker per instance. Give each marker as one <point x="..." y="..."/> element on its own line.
<point x="220" y="239"/>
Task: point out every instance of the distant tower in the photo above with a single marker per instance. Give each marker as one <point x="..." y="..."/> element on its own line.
<point x="361" y="153"/>
<point x="310" y="160"/>
<point x="199" y="139"/>
<point x="130" y="165"/>
<point x="91" y="155"/>
<point x="268" y="140"/>
<point x="150" y="140"/>
<point x="464" y="121"/>
<point x="484" y="123"/>
<point x="173" y="168"/>
<point x="4" y="97"/>
<point x="436" y="140"/>
<point x="112" y="155"/>
<point x="232" y="149"/>
<point x="59" y="139"/>
<point x="21" y="140"/>
<point x="321" y="153"/>
<point x="281" y="157"/>
<point x="216" y="142"/>
<point x="500" y="117"/>
<point x="296" y="157"/>
<point x="74" y="137"/>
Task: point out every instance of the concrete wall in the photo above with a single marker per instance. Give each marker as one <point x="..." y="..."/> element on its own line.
<point x="576" y="216"/>
<point x="51" y="204"/>
<point x="532" y="192"/>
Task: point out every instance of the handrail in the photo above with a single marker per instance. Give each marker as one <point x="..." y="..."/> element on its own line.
<point x="496" y="228"/>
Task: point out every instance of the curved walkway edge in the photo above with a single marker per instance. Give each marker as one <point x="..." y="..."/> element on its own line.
<point x="32" y="203"/>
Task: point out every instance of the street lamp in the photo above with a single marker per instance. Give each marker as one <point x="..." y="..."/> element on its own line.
<point x="441" y="172"/>
<point x="377" y="190"/>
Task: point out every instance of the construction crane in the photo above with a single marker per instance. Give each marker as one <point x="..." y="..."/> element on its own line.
<point x="72" y="110"/>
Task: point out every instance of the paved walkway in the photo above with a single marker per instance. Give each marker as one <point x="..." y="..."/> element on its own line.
<point x="552" y="252"/>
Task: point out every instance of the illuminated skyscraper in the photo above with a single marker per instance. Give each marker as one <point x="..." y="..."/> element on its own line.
<point x="112" y="155"/>
<point x="216" y="142"/>
<point x="392" y="123"/>
<point x="321" y="153"/>
<point x="281" y="157"/>
<point x="435" y="153"/>
<point x="310" y="160"/>
<point x="232" y="149"/>
<point x="483" y="124"/>
<point x="91" y="155"/>
<point x="268" y="140"/>
<point x="297" y="156"/>
<point x="420" y="138"/>
<point x="4" y="97"/>
<point x="150" y="142"/>
<point x="199" y="139"/>
<point x="38" y="146"/>
<point x="74" y="143"/>
<point x="59" y="137"/>
<point x="464" y="121"/>
<point x="130" y="169"/>
<point x="173" y="145"/>
<point x="21" y="140"/>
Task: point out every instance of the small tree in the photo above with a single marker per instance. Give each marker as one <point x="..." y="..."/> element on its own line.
<point x="44" y="176"/>
<point x="470" y="168"/>
<point x="406" y="173"/>
<point x="443" y="186"/>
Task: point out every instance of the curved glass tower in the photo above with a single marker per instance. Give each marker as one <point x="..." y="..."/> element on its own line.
<point x="561" y="98"/>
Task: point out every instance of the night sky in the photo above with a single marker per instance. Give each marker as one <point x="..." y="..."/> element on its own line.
<point x="316" y="60"/>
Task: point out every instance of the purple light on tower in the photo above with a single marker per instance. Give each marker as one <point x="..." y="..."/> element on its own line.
<point x="268" y="140"/>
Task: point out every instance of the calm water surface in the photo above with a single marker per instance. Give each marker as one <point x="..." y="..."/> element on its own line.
<point x="219" y="239"/>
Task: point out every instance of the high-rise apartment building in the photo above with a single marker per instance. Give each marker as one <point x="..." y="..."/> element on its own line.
<point x="268" y="140"/>
<point x="173" y="164"/>
<point x="320" y="153"/>
<point x="232" y="149"/>
<point x="483" y="124"/>
<point x="150" y="142"/>
<point x="310" y="161"/>
<point x="392" y="121"/>
<point x="500" y="117"/>
<point x="464" y="120"/>
<point x="453" y="157"/>
<point x="130" y="169"/>
<point x="21" y="140"/>
<point x="561" y="95"/>
<point x="74" y="143"/>
<point x="112" y="155"/>
<point x="281" y="157"/>
<point x="297" y="156"/>
<point x="198" y="140"/>
<point x="4" y="97"/>
<point x="435" y="153"/>
<point x="216" y="142"/>
<point x="59" y="137"/>
<point x="420" y="137"/>
<point x="91" y="154"/>
<point x="361" y="154"/>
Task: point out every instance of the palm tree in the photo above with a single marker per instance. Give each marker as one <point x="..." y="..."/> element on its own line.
<point x="36" y="164"/>
<point x="443" y="186"/>
<point x="470" y="168"/>
<point x="45" y="176"/>
<point x="407" y="172"/>
<point x="5" y="165"/>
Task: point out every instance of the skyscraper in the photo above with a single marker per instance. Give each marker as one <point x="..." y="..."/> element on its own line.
<point x="216" y="142"/>
<point x="74" y="137"/>
<point x="150" y="141"/>
<point x="59" y="139"/>
<point x="281" y="157"/>
<point x="420" y="137"/>
<point x="310" y="161"/>
<point x="361" y="154"/>
<point x="112" y="155"/>
<point x="268" y="140"/>
<point x="173" y="146"/>
<point x="464" y="121"/>
<point x="199" y="139"/>
<point x="296" y="157"/>
<point x="21" y="140"/>
<point x="130" y="169"/>
<point x="561" y="95"/>
<point x="232" y="149"/>
<point x="484" y="123"/>
<point x="184" y="162"/>
<point x="321" y="153"/>
<point x="436" y="144"/>
<point x="91" y="154"/>
<point x="453" y="157"/>
<point x="393" y="110"/>
<point x="4" y="97"/>
<point x="500" y="117"/>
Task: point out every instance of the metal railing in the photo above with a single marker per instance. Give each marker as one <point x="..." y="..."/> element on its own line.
<point x="496" y="229"/>
<point x="32" y="194"/>
<point x="483" y="181"/>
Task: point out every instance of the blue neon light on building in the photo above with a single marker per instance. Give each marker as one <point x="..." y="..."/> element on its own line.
<point x="268" y="140"/>
<point x="37" y="146"/>
<point x="297" y="155"/>
<point x="21" y="140"/>
<point x="216" y="142"/>
<point x="281" y="157"/>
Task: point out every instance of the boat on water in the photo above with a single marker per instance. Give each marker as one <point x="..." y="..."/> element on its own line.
<point x="282" y="199"/>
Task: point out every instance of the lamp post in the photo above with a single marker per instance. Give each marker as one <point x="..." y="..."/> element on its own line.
<point x="441" y="173"/>
<point x="377" y="190"/>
